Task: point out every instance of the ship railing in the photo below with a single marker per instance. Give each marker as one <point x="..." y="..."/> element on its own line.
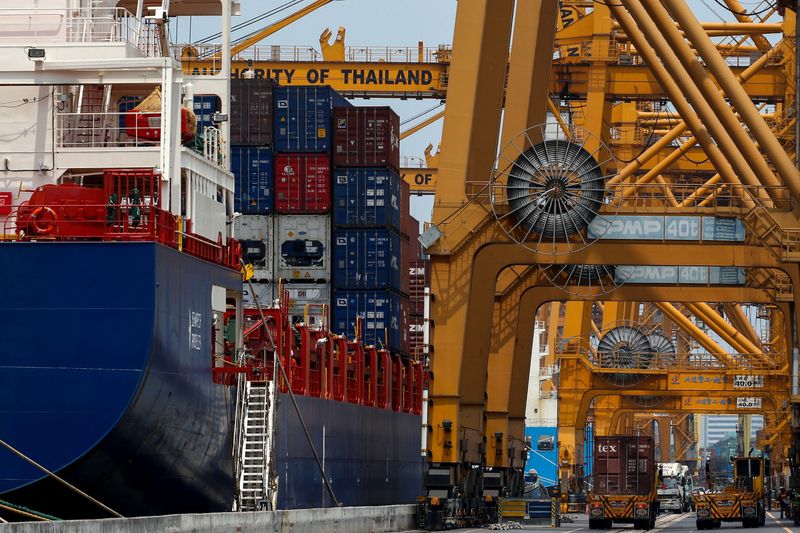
<point x="307" y="54"/>
<point x="658" y="363"/>
<point x="411" y="161"/>
<point x="123" y="221"/>
<point x="105" y="130"/>
<point x="93" y="24"/>
<point x="212" y="145"/>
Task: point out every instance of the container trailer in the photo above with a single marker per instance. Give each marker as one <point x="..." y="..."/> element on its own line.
<point x="625" y="480"/>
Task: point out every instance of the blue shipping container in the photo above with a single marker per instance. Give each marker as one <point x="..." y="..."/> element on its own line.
<point x="366" y="197"/>
<point x="303" y="118"/>
<point x="366" y="259"/>
<point x="380" y="313"/>
<point x="252" y="168"/>
<point x="205" y="105"/>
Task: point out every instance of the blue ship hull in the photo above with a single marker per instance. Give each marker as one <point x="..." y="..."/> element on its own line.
<point x="105" y="379"/>
<point x="371" y="456"/>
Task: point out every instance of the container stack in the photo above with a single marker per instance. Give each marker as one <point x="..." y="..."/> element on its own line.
<point x="302" y="144"/>
<point x="368" y="214"/>
<point x="252" y="164"/>
<point x="342" y="238"/>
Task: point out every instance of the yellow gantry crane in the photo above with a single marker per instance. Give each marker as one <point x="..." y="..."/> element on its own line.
<point x="657" y="150"/>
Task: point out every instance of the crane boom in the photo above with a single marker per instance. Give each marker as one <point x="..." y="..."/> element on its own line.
<point x="273" y="28"/>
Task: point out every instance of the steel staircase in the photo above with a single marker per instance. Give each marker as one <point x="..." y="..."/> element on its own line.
<point x="255" y="479"/>
<point x="91" y="125"/>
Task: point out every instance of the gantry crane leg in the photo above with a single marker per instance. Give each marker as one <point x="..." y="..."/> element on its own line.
<point x="505" y="435"/>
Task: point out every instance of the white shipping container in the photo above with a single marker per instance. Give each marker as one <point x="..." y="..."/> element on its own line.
<point x="302" y="247"/>
<point x="265" y="292"/>
<point x="310" y="297"/>
<point x="257" y="235"/>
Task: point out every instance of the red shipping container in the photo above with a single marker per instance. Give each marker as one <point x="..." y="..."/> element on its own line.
<point x="366" y="137"/>
<point x="318" y="184"/>
<point x="302" y="183"/>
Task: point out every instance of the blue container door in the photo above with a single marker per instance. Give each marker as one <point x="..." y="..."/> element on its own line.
<point x="318" y="106"/>
<point x="366" y="197"/>
<point x="303" y="119"/>
<point x="252" y="169"/>
<point x="205" y="105"/>
<point x="367" y="259"/>
<point x="347" y="193"/>
<point x="382" y="198"/>
<point x="379" y="311"/>
<point x="382" y="259"/>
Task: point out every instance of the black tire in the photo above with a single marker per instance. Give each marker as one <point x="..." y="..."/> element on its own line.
<point x="595" y="524"/>
<point x="703" y="524"/>
<point x="716" y="524"/>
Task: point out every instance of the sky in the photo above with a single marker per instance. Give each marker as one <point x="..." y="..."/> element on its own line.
<point x="380" y="23"/>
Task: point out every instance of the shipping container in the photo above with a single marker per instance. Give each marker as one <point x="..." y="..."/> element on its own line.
<point x="380" y="313"/>
<point x="303" y="118"/>
<point x="367" y="259"/>
<point x="417" y="281"/>
<point x="624" y="465"/>
<point x="302" y="183"/>
<point x="366" y="197"/>
<point x="264" y="292"/>
<point x="307" y="300"/>
<point x="366" y="137"/>
<point x="251" y="111"/>
<point x="302" y="247"/>
<point x="205" y="105"/>
<point x="257" y="236"/>
<point x="253" y="183"/>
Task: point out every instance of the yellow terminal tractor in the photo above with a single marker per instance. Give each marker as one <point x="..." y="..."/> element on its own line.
<point x="743" y="501"/>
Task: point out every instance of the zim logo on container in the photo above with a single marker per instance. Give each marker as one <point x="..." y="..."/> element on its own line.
<point x="341" y="123"/>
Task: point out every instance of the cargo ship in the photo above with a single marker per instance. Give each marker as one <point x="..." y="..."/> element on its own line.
<point x="122" y="292"/>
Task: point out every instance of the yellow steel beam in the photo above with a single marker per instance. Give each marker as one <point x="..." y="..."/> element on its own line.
<point x="430" y="80"/>
<point x="705" y="98"/>
<point x="422" y="181"/>
<point x="756" y="125"/>
<point x="729" y="164"/>
<point x="424" y="124"/>
<point x="681" y="127"/>
<point x="726" y="331"/>
<point x="471" y="126"/>
<point x="696" y="333"/>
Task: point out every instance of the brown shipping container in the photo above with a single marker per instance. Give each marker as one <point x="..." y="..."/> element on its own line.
<point x="251" y="111"/>
<point x="624" y="464"/>
<point x="366" y="137"/>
